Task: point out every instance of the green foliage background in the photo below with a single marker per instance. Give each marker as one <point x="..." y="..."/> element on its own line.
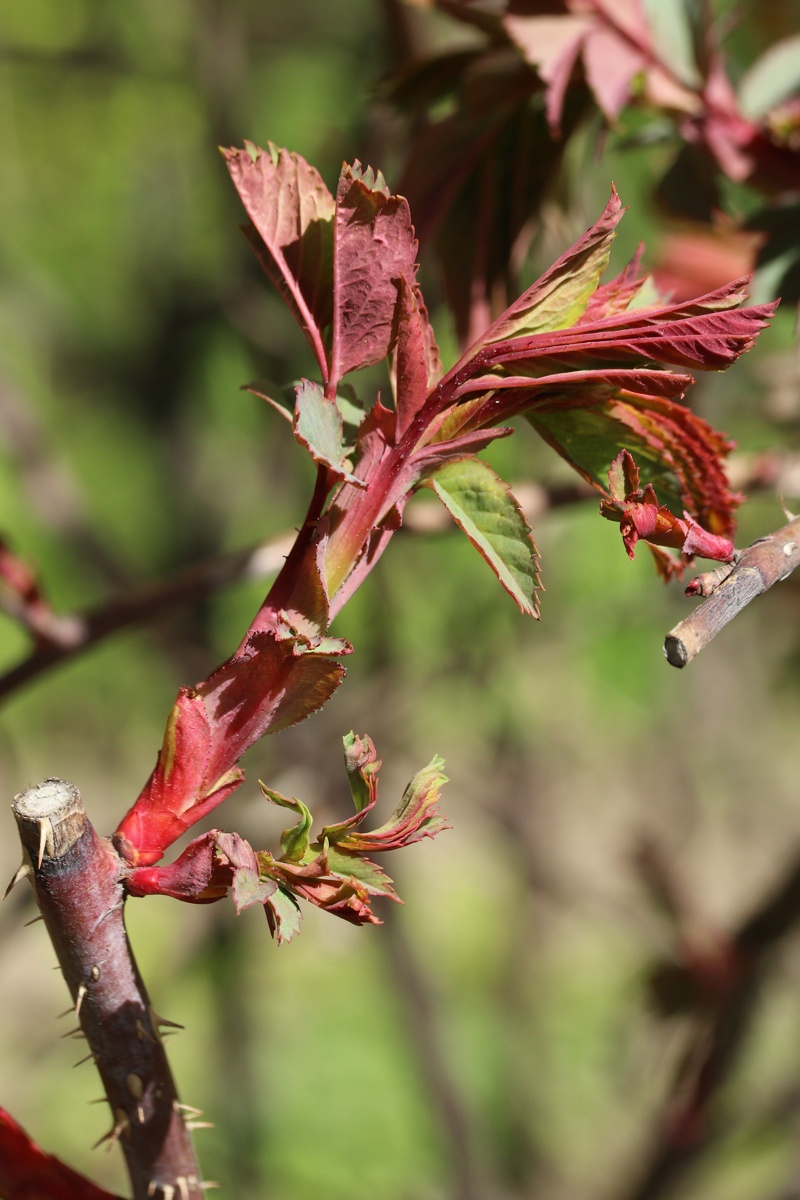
<point x="493" y="1038"/>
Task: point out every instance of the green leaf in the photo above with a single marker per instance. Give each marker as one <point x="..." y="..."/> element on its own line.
<point x="484" y="508"/>
<point x="676" y="451"/>
<point x="294" y="841"/>
<point x="248" y="889"/>
<point x="318" y="426"/>
<point x="772" y="78"/>
<point x="351" y="408"/>
<point x="355" y="866"/>
<point x="676" y="27"/>
<point x="282" y="913"/>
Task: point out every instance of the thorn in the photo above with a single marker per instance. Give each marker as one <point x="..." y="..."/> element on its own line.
<point x="86" y="1058"/>
<point x="24" y="871"/>
<point x="209" y="1183"/>
<point x="192" y="1125"/>
<point x="152" y="1188"/>
<point x="183" y="1187"/>
<point x="187" y="1108"/>
<point x="33" y="922"/>
<point x="790" y="516"/>
<point x="65" y="1013"/>
<point x="82" y="990"/>
<point x="121" y="1125"/>
<point x="156" y="1020"/>
<point x="74" y="1033"/>
<point x="45" y="839"/>
<point x="99" y="1100"/>
<point x="142" y="1033"/>
<point x="140" y="1114"/>
<point x="168" y="1191"/>
<point x="95" y="973"/>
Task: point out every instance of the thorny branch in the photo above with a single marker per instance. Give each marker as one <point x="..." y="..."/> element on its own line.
<point x="764" y="563"/>
<point x="77" y="878"/>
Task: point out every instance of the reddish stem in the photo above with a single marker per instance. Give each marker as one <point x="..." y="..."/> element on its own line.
<point x="77" y="878"/>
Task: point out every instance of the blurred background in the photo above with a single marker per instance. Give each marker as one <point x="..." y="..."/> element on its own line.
<point x="533" y="1021"/>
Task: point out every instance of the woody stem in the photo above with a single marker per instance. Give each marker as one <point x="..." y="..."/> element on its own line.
<point x="77" y="878"/>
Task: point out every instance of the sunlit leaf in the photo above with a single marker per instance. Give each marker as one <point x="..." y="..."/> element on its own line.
<point x="292" y="232"/>
<point x="374" y="246"/>
<point x="484" y="508"/>
<point x="319" y="427"/>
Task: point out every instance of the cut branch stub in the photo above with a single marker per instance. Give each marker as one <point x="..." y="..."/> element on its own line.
<point x="77" y="878"/>
<point x="50" y="817"/>
<point x="766" y="562"/>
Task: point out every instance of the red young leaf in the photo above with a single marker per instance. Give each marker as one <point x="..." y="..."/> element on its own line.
<point x="416" y="366"/>
<point x="618" y="294"/>
<point x="28" y="1173"/>
<point x="680" y="453"/>
<point x="415" y="817"/>
<point x="597" y="384"/>
<point x="275" y="679"/>
<point x="707" y="334"/>
<point x="552" y="44"/>
<point x="292" y="214"/>
<point x="334" y="890"/>
<point x="205" y="871"/>
<point x="331" y="872"/>
<point x="374" y="248"/>
<point x="641" y="517"/>
<point x="612" y="39"/>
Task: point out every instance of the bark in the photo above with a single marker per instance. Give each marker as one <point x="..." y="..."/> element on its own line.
<point x="78" y="880"/>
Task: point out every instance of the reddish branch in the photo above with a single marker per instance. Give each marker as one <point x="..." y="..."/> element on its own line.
<point x="77" y="880"/>
<point x="64" y="636"/>
<point x="764" y="563"/>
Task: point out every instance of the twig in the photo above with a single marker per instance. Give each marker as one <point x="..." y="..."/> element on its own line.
<point x="77" y="880"/>
<point x="142" y="604"/>
<point x="766" y="562"/>
<point x="64" y="636"/>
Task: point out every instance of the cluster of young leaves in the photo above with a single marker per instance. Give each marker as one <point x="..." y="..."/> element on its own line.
<point x="535" y="72"/>
<point x="331" y="872"/>
<point x="591" y="372"/>
<point x="641" y="517"/>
